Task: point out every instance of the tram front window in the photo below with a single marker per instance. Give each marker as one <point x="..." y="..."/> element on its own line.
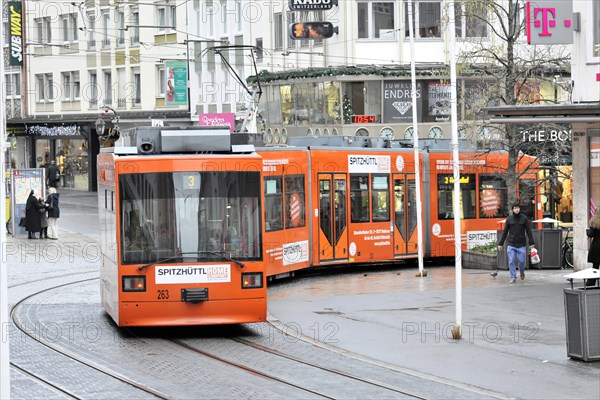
<point x="190" y="216"/>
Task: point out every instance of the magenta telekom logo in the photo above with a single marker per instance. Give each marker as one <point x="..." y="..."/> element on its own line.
<point x="548" y="20"/>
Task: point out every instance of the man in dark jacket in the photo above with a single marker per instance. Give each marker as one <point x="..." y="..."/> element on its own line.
<point x="516" y="227"/>
<point x="53" y="174"/>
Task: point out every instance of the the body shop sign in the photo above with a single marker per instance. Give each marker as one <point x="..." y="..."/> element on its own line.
<point x="15" y="16"/>
<point x="298" y="5"/>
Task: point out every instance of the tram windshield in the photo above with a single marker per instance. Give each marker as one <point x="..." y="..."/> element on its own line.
<point x="197" y="214"/>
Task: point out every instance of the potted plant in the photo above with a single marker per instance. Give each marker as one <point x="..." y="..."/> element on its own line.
<point x="483" y="256"/>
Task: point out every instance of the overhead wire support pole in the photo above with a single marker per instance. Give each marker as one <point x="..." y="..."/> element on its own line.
<point x="413" y="76"/>
<point x="457" y="329"/>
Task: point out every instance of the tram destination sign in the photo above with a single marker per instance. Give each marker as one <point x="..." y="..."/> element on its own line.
<point x="300" y="5"/>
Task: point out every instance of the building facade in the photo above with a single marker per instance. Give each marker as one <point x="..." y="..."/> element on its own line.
<point x="91" y="61"/>
<point x="358" y="82"/>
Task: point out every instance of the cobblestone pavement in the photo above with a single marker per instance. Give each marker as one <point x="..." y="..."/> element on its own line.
<point x="513" y="341"/>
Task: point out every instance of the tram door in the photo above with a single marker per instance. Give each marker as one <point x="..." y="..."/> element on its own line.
<point x="405" y="215"/>
<point x="333" y="235"/>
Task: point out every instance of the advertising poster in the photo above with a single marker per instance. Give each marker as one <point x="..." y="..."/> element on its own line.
<point x="397" y="101"/>
<point x="23" y="181"/>
<point x="438" y="96"/>
<point x="176" y="83"/>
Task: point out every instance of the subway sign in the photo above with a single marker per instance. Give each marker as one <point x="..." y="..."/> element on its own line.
<point x="15" y="41"/>
<point x="300" y="5"/>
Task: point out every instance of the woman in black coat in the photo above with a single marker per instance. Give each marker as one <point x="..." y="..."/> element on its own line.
<point x="594" y="252"/>
<point x="32" y="216"/>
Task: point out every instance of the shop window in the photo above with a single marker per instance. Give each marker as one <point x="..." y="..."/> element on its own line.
<point x="446" y="195"/>
<point x="305" y="103"/>
<point x="295" y="208"/>
<point x="273" y="204"/>
<point x="359" y="198"/>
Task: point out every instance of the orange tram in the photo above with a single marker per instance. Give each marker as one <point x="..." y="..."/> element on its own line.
<point x="181" y="231"/>
<point x="193" y="225"/>
<point x="336" y="200"/>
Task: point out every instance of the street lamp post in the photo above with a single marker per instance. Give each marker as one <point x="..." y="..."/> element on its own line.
<point x="100" y="124"/>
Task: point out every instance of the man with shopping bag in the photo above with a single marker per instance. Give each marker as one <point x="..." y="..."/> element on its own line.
<point x="517" y="228"/>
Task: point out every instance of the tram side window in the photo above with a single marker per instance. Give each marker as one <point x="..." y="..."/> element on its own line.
<point x="359" y="198"/>
<point x="295" y="209"/>
<point x="446" y="195"/>
<point x="493" y="196"/>
<point x="381" y="197"/>
<point x="273" y="204"/>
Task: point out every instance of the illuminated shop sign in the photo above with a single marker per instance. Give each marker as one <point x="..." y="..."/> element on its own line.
<point x="15" y="43"/>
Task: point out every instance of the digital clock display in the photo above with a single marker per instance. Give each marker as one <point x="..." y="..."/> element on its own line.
<point x="363" y="119"/>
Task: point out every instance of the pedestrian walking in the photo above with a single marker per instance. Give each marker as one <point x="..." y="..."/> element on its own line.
<point x="593" y="232"/>
<point x="32" y="216"/>
<point x="43" y="218"/>
<point x="53" y="174"/>
<point x="516" y="232"/>
<point x="52" y="202"/>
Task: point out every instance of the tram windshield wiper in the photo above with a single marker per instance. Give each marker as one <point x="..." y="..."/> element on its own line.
<point x="197" y="253"/>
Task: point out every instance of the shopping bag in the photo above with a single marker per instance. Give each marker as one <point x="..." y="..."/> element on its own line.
<point x="533" y="254"/>
<point x="23" y="222"/>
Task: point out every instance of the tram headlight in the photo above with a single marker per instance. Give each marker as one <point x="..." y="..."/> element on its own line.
<point x="134" y="283"/>
<point x="252" y="280"/>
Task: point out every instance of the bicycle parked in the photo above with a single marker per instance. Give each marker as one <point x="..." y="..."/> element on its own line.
<point x="567" y="250"/>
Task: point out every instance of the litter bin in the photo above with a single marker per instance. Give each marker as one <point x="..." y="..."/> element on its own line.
<point x="548" y="242"/>
<point x="582" y="317"/>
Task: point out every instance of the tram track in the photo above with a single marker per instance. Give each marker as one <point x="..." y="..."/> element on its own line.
<point x="338" y="378"/>
<point x="69" y="355"/>
<point x="384" y="379"/>
<point x="46" y="383"/>
<point x="314" y="373"/>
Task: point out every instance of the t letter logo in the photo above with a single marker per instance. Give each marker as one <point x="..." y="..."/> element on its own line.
<point x="549" y="21"/>
<point x="546" y="22"/>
